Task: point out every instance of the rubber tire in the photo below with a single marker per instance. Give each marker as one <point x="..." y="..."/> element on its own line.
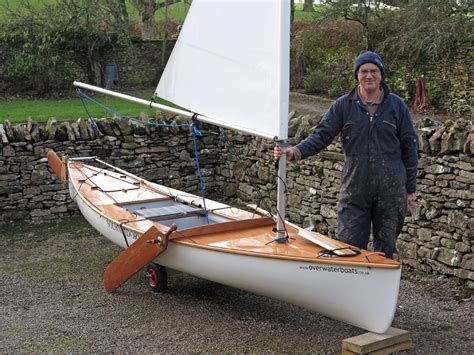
<point x="157" y="277"/>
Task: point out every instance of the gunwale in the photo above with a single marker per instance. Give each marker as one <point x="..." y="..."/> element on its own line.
<point x="251" y="230"/>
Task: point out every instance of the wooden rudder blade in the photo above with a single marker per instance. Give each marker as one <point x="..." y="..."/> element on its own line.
<point x="57" y="165"/>
<point x="135" y="257"/>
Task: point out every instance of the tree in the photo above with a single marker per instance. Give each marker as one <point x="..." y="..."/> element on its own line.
<point x="118" y="9"/>
<point x="428" y="30"/>
<point x="308" y="6"/>
<point x="360" y="11"/>
<point x="146" y="10"/>
<point x="47" y="51"/>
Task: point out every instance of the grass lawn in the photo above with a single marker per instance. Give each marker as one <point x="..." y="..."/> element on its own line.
<point x="18" y="111"/>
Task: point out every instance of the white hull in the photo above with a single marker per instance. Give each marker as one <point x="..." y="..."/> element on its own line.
<point x="362" y="296"/>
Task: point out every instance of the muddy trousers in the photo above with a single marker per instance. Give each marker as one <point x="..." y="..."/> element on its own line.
<point x="384" y="216"/>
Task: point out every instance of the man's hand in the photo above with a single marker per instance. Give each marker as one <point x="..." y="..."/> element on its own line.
<point x="410" y="199"/>
<point x="277" y="152"/>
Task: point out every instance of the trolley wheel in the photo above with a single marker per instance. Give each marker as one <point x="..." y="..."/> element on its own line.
<point x="157" y="277"/>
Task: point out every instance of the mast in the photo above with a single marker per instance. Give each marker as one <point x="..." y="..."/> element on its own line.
<point x="285" y="14"/>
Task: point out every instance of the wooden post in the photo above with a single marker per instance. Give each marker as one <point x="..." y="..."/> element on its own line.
<point x="372" y="343"/>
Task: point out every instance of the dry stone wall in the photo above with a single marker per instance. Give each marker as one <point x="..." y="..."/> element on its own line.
<point x="437" y="236"/>
<point x="30" y="192"/>
<point x="438" y="231"/>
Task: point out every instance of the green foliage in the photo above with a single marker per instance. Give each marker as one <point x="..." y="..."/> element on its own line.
<point x="400" y="83"/>
<point x="320" y="13"/>
<point x="426" y="31"/>
<point x="47" y="53"/>
<point x="436" y="94"/>
<point x="448" y="124"/>
<point x="323" y="55"/>
<point x="37" y="59"/>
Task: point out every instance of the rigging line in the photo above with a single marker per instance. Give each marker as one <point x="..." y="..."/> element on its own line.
<point x="121" y="179"/>
<point x="88" y="178"/>
<point x="123" y="232"/>
<point x="145" y="184"/>
<point x="83" y="95"/>
<point x="183" y="236"/>
<point x="197" y="133"/>
<point x="94" y="125"/>
<point x="332" y="252"/>
<point x="258" y="191"/>
<point x="247" y="173"/>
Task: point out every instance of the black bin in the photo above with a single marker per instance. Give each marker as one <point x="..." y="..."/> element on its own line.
<point x="111" y="77"/>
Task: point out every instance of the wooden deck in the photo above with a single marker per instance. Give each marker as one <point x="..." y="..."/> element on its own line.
<point x="140" y="205"/>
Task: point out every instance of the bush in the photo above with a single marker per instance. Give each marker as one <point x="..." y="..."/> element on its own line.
<point x="46" y="54"/>
<point x="323" y="55"/>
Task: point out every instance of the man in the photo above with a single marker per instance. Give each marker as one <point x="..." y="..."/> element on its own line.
<point x="379" y="144"/>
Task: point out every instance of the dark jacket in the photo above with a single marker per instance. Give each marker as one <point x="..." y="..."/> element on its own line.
<point x="380" y="147"/>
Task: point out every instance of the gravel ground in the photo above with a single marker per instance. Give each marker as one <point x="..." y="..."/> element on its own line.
<point x="52" y="301"/>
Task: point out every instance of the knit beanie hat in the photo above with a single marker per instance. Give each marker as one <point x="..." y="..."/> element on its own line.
<point x="368" y="57"/>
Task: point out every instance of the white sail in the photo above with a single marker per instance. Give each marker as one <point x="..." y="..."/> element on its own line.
<point x="231" y="64"/>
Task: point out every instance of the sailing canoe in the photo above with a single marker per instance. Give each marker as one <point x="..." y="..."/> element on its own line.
<point x="236" y="247"/>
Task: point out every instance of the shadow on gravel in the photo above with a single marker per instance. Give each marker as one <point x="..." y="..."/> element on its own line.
<point x="52" y="301"/>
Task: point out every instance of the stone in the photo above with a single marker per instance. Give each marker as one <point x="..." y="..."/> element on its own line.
<point x="423" y="234"/>
<point x="61" y="132"/>
<point x="7" y="126"/>
<point x="457" y="219"/>
<point x="58" y="209"/>
<point x="40" y="213"/>
<point x="462" y="247"/>
<point x="447" y="256"/>
<point x="437" y="169"/>
<point x="435" y="140"/>
<point x="465" y="177"/>
<point x="83" y="131"/>
<point x="8" y="151"/>
<point x="464" y="274"/>
<point x="105" y="126"/>
<point x="37" y="134"/>
<point x="448" y="243"/>
<point x="424" y="252"/>
<point x="328" y="211"/>
<point x="407" y="250"/>
<point x="50" y="128"/>
<point x="184" y="155"/>
<point x="423" y="139"/>
<point x="463" y="165"/>
<point x="40" y="175"/>
<point x="71" y="136"/>
<point x="19" y="133"/>
<point x="229" y="190"/>
<point x="123" y="126"/>
<point x="468" y="262"/>
<point x="156" y="173"/>
<point x="33" y="190"/>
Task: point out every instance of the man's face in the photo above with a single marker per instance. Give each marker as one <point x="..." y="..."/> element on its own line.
<point x="369" y="76"/>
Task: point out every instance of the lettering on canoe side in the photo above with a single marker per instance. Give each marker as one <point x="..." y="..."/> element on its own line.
<point x="128" y="233"/>
<point x="339" y="269"/>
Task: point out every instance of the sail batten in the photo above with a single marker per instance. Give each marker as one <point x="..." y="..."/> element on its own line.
<point x="227" y="65"/>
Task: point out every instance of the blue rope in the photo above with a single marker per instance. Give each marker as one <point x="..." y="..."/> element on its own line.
<point x="196" y="133"/>
<point x="82" y="95"/>
<point x="94" y="125"/>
